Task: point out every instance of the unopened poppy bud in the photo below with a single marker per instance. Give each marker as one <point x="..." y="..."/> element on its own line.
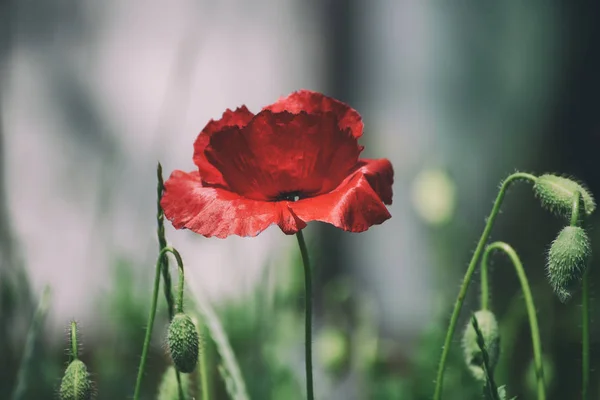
<point x="183" y="342"/>
<point x="568" y="259"/>
<point x="76" y="383"/>
<point x="472" y="352"/>
<point x="169" y="389"/>
<point x="556" y="194"/>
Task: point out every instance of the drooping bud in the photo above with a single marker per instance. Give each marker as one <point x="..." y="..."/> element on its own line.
<point x="557" y="193"/>
<point x="76" y="383"/>
<point x="183" y="342"/>
<point x="472" y="352"/>
<point x="169" y="389"/>
<point x="568" y="260"/>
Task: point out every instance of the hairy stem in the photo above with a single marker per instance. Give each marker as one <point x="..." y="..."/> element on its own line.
<point x="308" y="315"/>
<point x="162" y="242"/>
<point x="74" y="345"/>
<point x="585" y="309"/>
<point x="585" y="333"/>
<point x="468" y="275"/>
<point x="533" y="322"/>
<point x="152" y="315"/>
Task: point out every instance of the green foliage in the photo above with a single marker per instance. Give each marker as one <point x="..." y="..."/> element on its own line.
<point x="169" y="389"/>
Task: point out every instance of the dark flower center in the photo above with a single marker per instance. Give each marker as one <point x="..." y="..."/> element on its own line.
<point x="290" y="196"/>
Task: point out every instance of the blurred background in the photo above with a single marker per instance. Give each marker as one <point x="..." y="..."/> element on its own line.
<point x="457" y="96"/>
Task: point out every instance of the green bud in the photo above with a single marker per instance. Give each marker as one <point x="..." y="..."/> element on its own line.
<point x="183" y="342"/>
<point x="76" y="384"/>
<point x="169" y="389"/>
<point x="556" y="194"/>
<point x="568" y="259"/>
<point x="472" y="353"/>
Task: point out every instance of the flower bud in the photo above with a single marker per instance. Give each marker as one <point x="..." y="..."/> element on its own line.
<point x="76" y="383"/>
<point x="556" y="194"/>
<point x="169" y="389"/>
<point x="183" y="342"/>
<point x="473" y="356"/>
<point x="568" y="259"/>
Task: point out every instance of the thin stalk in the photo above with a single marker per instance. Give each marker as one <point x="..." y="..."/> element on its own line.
<point x="204" y="373"/>
<point x="529" y="304"/>
<point x="152" y="315"/>
<point x="181" y="283"/>
<point x="468" y="275"/>
<point x="485" y="287"/>
<point x="585" y="329"/>
<point x="74" y="345"/>
<point x="308" y="315"/>
<point x="162" y="242"/>
<point x="585" y="310"/>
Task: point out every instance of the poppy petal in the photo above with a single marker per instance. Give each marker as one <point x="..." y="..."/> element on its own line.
<point x="238" y="118"/>
<point x="354" y="206"/>
<point x="212" y="211"/>
<point x="280" y="154"/>
<point x="380" y="175"/>
<point x="315" y="103"/>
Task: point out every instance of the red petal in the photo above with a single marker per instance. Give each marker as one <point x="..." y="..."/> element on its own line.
<point x="217" y="212"/>
<point x="284" y="153"/>
<point x="314" y="103"/>
<point x="353" y="206"/>
<point x="380" y="175"/>
<point x="238" y="118"/>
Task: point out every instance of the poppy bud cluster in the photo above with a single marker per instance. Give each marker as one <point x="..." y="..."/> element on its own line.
<point x="570" y="252"/>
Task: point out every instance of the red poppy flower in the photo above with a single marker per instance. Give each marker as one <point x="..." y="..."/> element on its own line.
<point x="295" y="161"/>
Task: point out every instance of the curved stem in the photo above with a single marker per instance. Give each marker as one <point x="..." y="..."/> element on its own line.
<point x="533" y="322"/>
<point x="181" y="282"/>
<point x="162" y="242"/>
<point x="585" y="328"/>
<point x="469" y="273"/>
<point x="151" y="316"/>
<point x="308" y="314"/>
<point x="74" y="346"/>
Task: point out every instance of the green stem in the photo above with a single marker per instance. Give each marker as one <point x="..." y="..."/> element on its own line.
<point x="151" y="316"/>
<point x="162" y="242"/>
<point x="204" y="372"/>
<point x="485" y="287"/>
<point x="181" y="283"/>
<point x="469" y="273"/>
<point x="533" y="322"/>
<point x="585" y="327"/>
<point x="74" y="346"/>
<point x="585" y="309"/>
<point x="308" y="315"/>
